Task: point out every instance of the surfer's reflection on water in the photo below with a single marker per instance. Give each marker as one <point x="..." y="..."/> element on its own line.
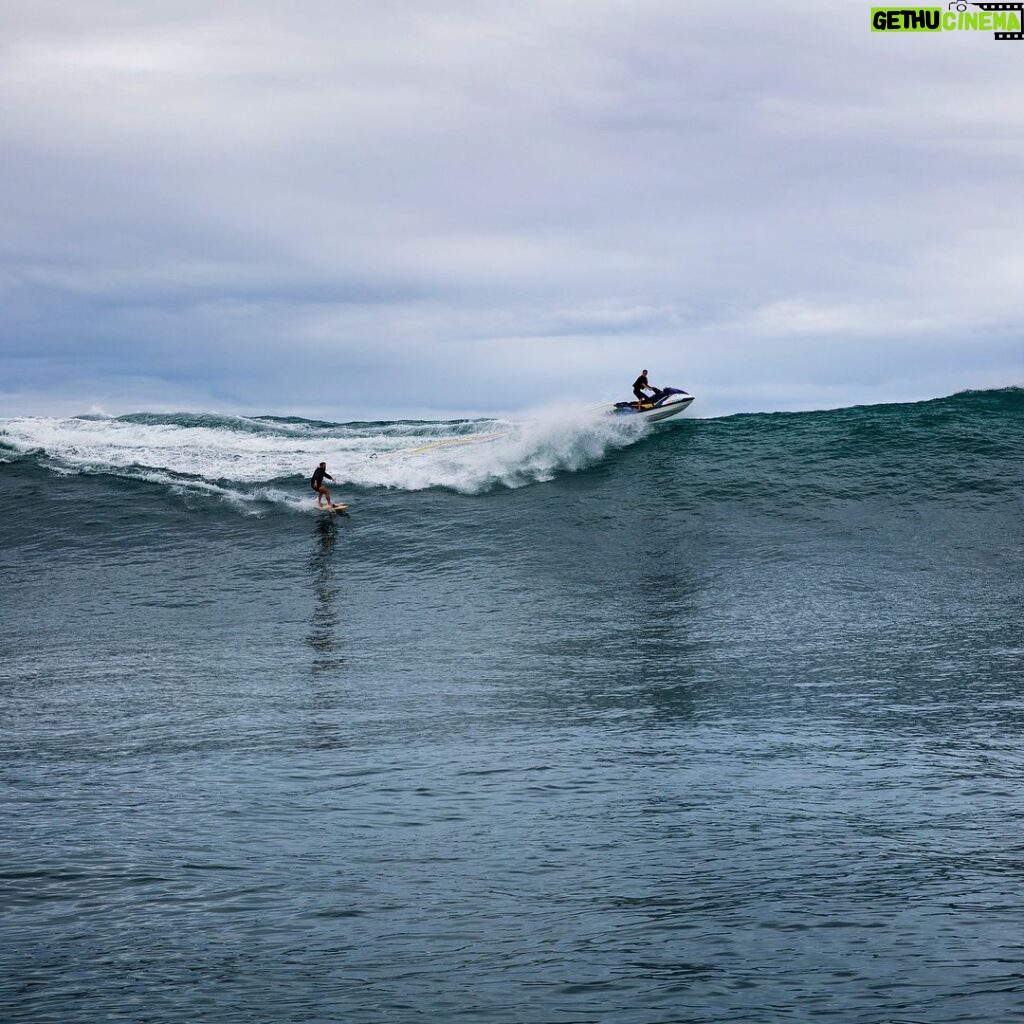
<point x="326" y="700"/>
<point x="322" y="637"/>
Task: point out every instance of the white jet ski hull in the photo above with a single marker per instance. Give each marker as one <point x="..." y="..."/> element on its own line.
<point x="670" y="405"/>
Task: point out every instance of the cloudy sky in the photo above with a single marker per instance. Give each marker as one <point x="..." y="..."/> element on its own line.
<point x="429" y="207"/>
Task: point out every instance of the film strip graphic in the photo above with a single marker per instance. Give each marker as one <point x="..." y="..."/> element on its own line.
<point x="1018" y="7"/>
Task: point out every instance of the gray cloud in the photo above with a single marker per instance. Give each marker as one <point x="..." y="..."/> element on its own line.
<point x="301" y="207"/>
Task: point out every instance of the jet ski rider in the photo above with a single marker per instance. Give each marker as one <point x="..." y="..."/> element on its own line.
<point x="640" y="385"/>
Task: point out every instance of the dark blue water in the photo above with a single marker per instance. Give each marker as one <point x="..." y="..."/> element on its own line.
<point x="720" y="722"/>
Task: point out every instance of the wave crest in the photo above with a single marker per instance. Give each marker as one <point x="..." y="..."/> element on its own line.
<point x="232" y="455"/>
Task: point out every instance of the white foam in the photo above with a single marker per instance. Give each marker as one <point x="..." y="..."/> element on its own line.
<point x="234" y="460"/>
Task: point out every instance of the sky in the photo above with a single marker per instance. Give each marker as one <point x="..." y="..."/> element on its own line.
<point x="430" y="208"/>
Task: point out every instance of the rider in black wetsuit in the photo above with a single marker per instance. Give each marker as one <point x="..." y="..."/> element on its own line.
<point x="317" y="483"/>
<point x="640" y="385"/>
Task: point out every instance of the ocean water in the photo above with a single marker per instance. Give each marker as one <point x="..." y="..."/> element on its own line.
<point x="570" y="720"/>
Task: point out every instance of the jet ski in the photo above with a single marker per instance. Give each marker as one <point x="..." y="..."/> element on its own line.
<point x="662" y="404"/>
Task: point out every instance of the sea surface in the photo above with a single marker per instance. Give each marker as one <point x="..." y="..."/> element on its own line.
<point x="571" y="720"/>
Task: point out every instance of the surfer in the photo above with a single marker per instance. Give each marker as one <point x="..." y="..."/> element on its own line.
<point x="317" y="483"/>
<point x="640" y="385"/>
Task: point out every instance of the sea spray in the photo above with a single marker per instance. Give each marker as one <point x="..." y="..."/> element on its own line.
<point x="231" y="455"/>
<point x="509" y="455"/>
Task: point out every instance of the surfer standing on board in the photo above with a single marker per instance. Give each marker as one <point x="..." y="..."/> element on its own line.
<point x="317" y="483"/>
<point x="640" y="385"/>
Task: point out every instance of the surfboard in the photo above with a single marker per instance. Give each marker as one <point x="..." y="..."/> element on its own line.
<point x="339" y="508"/>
